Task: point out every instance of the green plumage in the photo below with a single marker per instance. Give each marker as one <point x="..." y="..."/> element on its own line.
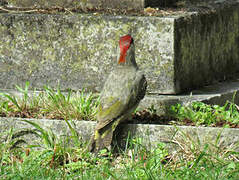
<point x="122" y="92"/>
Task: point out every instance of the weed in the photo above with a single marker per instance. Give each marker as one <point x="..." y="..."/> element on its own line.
<point x="202" y="114"/>
<point x="61" y="160"/>
<point x="49" y="104"/>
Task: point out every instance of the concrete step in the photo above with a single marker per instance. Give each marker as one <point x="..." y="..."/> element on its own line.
<point x="177" y="52"/>
<point x="150" y="135"/>
<point x="218" y="93"/>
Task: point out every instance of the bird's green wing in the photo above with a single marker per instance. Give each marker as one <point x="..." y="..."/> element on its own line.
<point x="111" y="110"/>
<point x="119" y="98"/>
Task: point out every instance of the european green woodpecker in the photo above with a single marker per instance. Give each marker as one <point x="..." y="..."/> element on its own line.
<point x="121" y="94"/>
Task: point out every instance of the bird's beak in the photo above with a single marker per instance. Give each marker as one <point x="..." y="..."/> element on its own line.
<point x="122" y="58"/>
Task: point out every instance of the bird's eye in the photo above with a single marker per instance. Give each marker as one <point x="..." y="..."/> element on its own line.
<point x="132" y="40"/>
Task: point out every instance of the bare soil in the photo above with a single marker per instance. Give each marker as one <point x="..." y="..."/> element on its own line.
<point x="145" y="117"/>
<point x="142" y="117"/>
<point x="159" y="11"/>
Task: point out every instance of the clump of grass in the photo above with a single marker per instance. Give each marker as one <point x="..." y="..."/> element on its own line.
<point x="200" y="113"/>
<point x="60" y="160"/>
<point x="55" y="104"/>
<point x="49" y="104"/>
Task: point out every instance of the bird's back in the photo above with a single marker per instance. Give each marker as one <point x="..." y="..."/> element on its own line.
<point x="121" y="83"/>
<point x="123" y="90"/>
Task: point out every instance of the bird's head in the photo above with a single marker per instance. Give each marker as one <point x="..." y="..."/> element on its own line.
<point x="127" y="52"/>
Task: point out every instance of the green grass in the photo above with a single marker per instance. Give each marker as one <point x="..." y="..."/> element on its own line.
<point x="200" y="113"/>
<point x="57" y="159"/>
<point x="49" y="104"/>
<point x="66" y="158"/>
<point x="54" y="104"/>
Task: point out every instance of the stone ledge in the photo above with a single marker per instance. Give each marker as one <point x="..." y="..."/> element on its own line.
<point x="218" y="93"/>
<point x="177" y="53"/>
<point x="79" y="51"/>
<point x="150" y="134"/>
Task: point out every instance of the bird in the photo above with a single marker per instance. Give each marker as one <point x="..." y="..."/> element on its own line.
<point x="124" y="88"/>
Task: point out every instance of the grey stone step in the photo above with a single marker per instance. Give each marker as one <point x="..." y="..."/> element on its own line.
<point x="177" y="52"/>
<point x="218" y="94"/>
<point x="150" y="135"/>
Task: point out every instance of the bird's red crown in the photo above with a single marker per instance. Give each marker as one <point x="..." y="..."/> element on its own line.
<point x="124" y="43"/>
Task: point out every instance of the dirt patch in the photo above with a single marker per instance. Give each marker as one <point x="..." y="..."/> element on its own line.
<point x="145" y="117"/>
<point x="159" y="12"/>
<point x="142" y="117"/>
